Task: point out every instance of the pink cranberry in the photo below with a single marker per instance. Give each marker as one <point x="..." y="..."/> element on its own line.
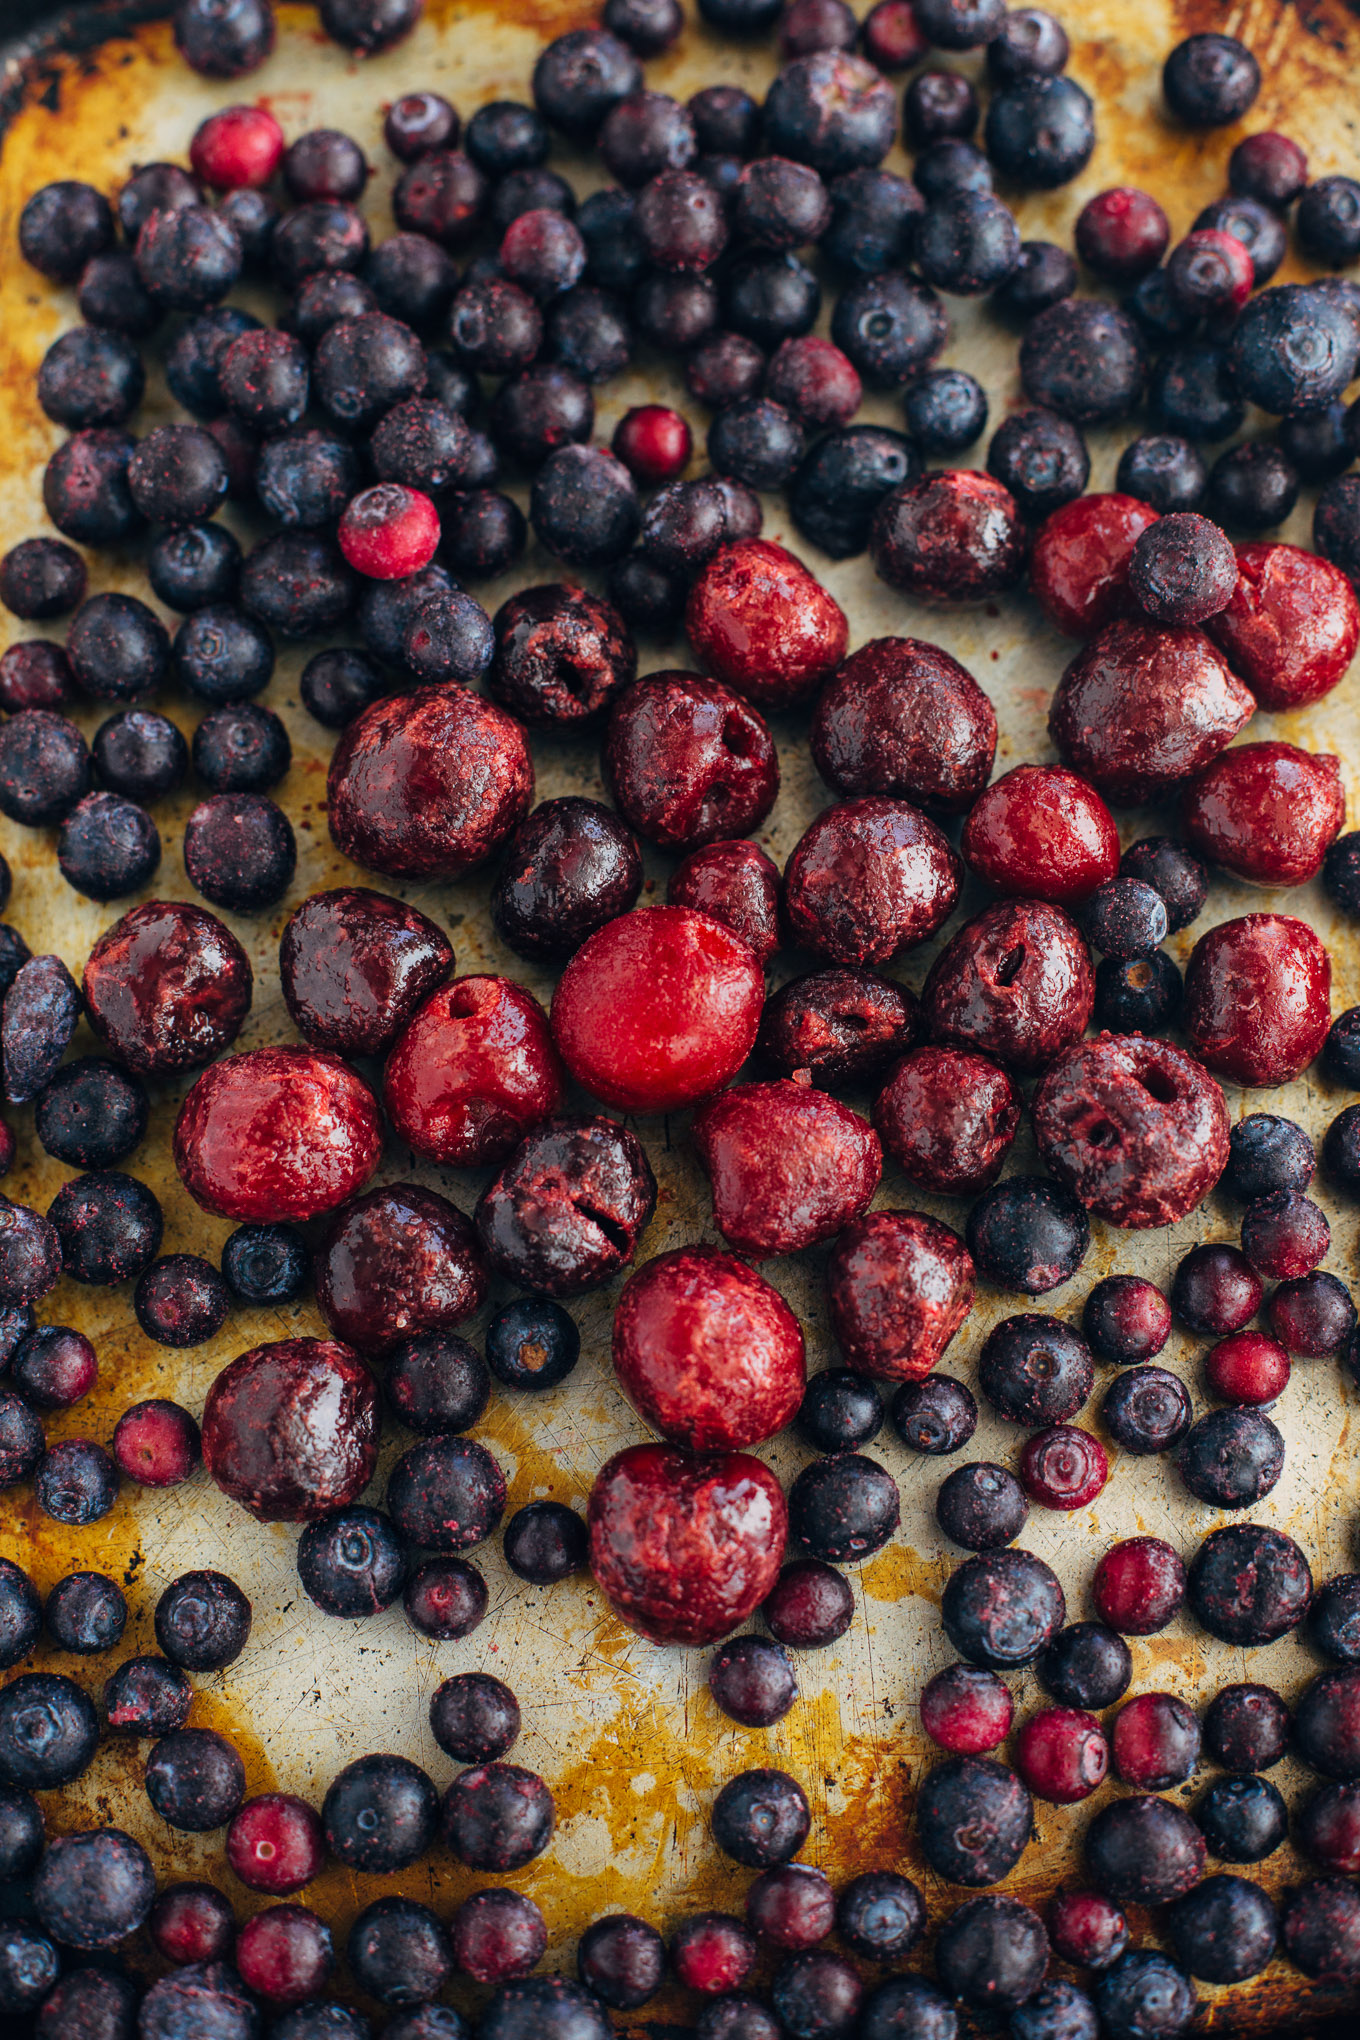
<point x="1063" y="1467"/>
<point x="1121" y="234"/>
<point x="685" y="1547"/>
<point x="1155" y="1743"/>
<point x="735" y="883"/>
<point x="157" y="1444"/>
<point x="789" y="1166"/>
<point x="1258" y="998"/>
<point x="398" y="1263"/>
<point x="1215" y="1289"/>
<point x="892" y="37"/>
<point x="1015" y="983"/>
<point x="953" y="536"/>
<point x="1266" y="812"/>
<point x="277" y="1133"/>
<point x="1291" y="625"/>
<point x="966" y="1710"/>
<point x="653" y="442"/>
<point x="1284" y="1235"/>
<point x="948" y="1119"/>
<point x="658" y="1009"/>
<point x="688" y="762"/>
<point x="899" y="1285"/>
<point x="1086" y="1929"/>
<point x="290" y="1430"/>
<point x="708" y="1353"/>
<point x="903" y="717"/>
<point x="1140" y="708"/>
<point x="237" y="149"/>
<point x="712" y="1953"/>
<point x="429" y="784"/>
<point x="284" y="1954"/>
<point x="812" y="378"/>
<point x="474" y="1071"/>
<point x="1062" y="1755"/>
<point x="275" y="1844"/>
<point x="763" y="625"/>
<point x="1139" y="1585"/>
<point x="1079" y="564"/>
<point x="167" y="988"/>
<point x="868" y="878"/>
<point x="192" y="1923"/>
<point x="791" y="1906"/>
<point x="389" y="531"/>
<point x="1247" y="1367"/>
<point x="1041" y="833"/>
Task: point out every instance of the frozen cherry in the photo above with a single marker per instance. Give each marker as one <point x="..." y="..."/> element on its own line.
<point x="689" y="762"/>
<point x="567" y="1209"/>
<point x="1141" y="708"/>
<point x="355" y="965"/>
<point x="226" y="1137"/>
<point x="1267" y="812"/>
<point x="570" y="867"/>
<point x="290" y="1430"/>
<point x="1040" y="832"/>
<point x="1079" y="566"/>
<point x="735" y="884"/>
<point x="789" y="1166"/>
<point x="167" y="987"/>
<point x="948" y="1118"/>
<point x="474" y="1071"/>
<point x="1015" y="983"/>
<point x="763" y="625"/>
<point x="1257" y="993"/>
<point x="842" y="1026"/>
<point x="902" y="717"/>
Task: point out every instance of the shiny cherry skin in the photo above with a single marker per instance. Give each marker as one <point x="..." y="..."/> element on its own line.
<point x="841" y="1026"/>
<point x="899" y="1285"/>
<point x="290" y="1430"/>
<point x="397" y="1263"/>
<point x="708" y="1352"/>
<point x="685" y="1546"/>
<point x="1258" y="999"/>
<point x="1062" y="1755"/>
<point x="1015" y="983"/>
<point x="277" y="1133"/>
<point x="428" y="784"/>
<point x="868" y="878"/>
<point x="1247" y="1367"/>
<point x="1079" y="564"/>
<point x="473" y="1072"/>
<point x="903" y="717"/>
<point x="689" y="762"/>
<point x="1267" y="812"/>
<point x="658" y="1009"/>
<point x="167" y="988"/>
<point x="355" y="965"/>
<point x="1041" y="833"/>
<point x="567" y="1209"/>
<point x="1141" y="708"/>
<point x="1291" y="625"/>
<point x="763" y="625"/>
<point x="735" y="883"/>
<point x="948" y="1119"/>
<point x="789" y="1166"/>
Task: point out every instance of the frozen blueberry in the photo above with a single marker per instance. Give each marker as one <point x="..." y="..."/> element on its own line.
<point x="147" y="1696"/>
<point x="1027" y="1234"/>
<point x="108" y="847"/>
<point x="240" y="851"/>
<point x="86" y="1612"/>
<point x="202" y="1621"/>
<point x="545" y="1542"/>
<point x="140" y="754"/>
<point x="109" y="1226"/>
<point x="1243" y="1820"/>
<point x="1086" y="1666"/>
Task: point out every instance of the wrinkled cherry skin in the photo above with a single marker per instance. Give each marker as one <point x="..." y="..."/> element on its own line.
<point x="355" y="965"/>
<point x="841" y="1026"/>
<point x="167" y="988"/>
<point x="1040" y="833"/>
<point x="1135" y="1128"/>
<point x="562" y="655"/>
<point x="277" y="1133"/>
<point x="566" y="1211"/>
<point x="688" y="762"/>
<point x="1258" y="998"/>
<point x="952" y="537"/>
<point x="1266" y="811"/>
<point x="898" y="1285"/>
<point x="685" y="1547"/>
<point x="1079" y="566"/>
<point x="1291" y="625"/>
<point x="474" y="1070"/>
<point x="707" y="1351"/>
<point x="1141" y="708"/>
<point x="760" y="621"/>
<point x="789" y="1165"/>
<point x="658" y="1009"/>
<point x="428" y="784"/>
<point x="291" y="1430"/>
<point x="948" y="1118"/>
<point x="1015" y="983"/>
<point x="398" y="1263"/>
<point x="902" y="717"/>
<point x="735" y="883"/>
<point x="869" y="877"/>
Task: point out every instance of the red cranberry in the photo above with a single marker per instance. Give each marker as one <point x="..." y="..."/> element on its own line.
<point x="760" y="622"/>
<point x="867" y="878"/>
<point x="290" y="1431"/>
<point x="707" y="1352"/>
<point x="1155" y="1743"/>
<point x="398" y="1263"/>
<point x="1269" y="167"/>
<point x="54" y="1367"/>
<point x="789" y="1166"/>
<point x="1138" y="1586"/>
<point x="1079" y="566"/>
<point x="736" y="884"/>
<point x="712" y="1953"/>
<point x="1215" y="1289"/>
<point x="685" y="1548"/>
<point x="1086" y="1929"/>
<point x="1284" y="1235"/>
<point x="899" y="1285"/>
<point x="1248" y="1367"/>
<point x="1126" y="1319"/>
<point x="167" y="988"/>
<point x="1258" y="998"/>
<point x="237" y="149"/>
<point x="1142" y="708"/>
<point x="1062" y="1755"/>
<point x="275" y="1844"/>
<point x="426" y="785"/>
<point x="567" y="1210"/>
<point x="388" y="532"/>
<point x="1015" y="982"/>
<point x="1291" y="625"/>
<point x="284" y="1954"/>
<point x="157" y="1444"/>
<point x="1266" y="812"/>
<point x="192" y="1923"/>
<point x="792" y="1906"/>
<point x="355" y="965"/>
<point x="954" y="536"/>
<point x="966" y="1710"/>
<point x="892" y="37"/>
<point x="230" y="1148"/>
<point x="1313" y="1315"/>
<point x="1063" y="1467"/>
<point x="497" y="1934"/>
<point x="474" y="1070"/>
<point x="1136" y="1128"/>
<point x="653" y="442"/>
<point x="810" y="1605"/>
<point x="688" y="762"/>
<point x="1121" y="234"/>
<point x="948" y="1119"/>
<point x="902" y="717"/>
<point x="1041" y="833"/>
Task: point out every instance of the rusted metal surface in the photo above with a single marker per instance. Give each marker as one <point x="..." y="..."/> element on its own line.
<point x="625" y="1732"/>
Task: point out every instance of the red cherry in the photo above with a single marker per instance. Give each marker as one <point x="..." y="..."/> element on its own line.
<point x="239" y="147"/>
<point x="389" y="532"/>
<point x="966" y="1711"/>
<point x="278" y="1133"/>
<point x="1062" y="1755"/>
<point x="1258" y="998"/>
<point x="1266" y="812"/>
<point x="1079" y="566"/>
<point x="473" y="1072"/>
<point x="1039" y="832"/>
<point x="1291" y="625"/>
<point x="762" y="624"/>
<point x="653" y="442"/>
<point x="1248" y="1367"/>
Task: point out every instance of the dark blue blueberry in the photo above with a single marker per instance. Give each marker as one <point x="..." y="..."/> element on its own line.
<point x="86" y="1612"/>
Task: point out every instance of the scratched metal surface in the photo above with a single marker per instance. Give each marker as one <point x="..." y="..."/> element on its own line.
<point x="625" y="1732"/>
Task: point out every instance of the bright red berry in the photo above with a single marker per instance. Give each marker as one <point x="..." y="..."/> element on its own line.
<point x="966" y="1711"/>
<point x="389" y="532"/>
<point x="240" y="146"/>
<point x="1248" y="1367"/>
<point x="1062" y="1755"/>
<point x="653" y="442"/>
